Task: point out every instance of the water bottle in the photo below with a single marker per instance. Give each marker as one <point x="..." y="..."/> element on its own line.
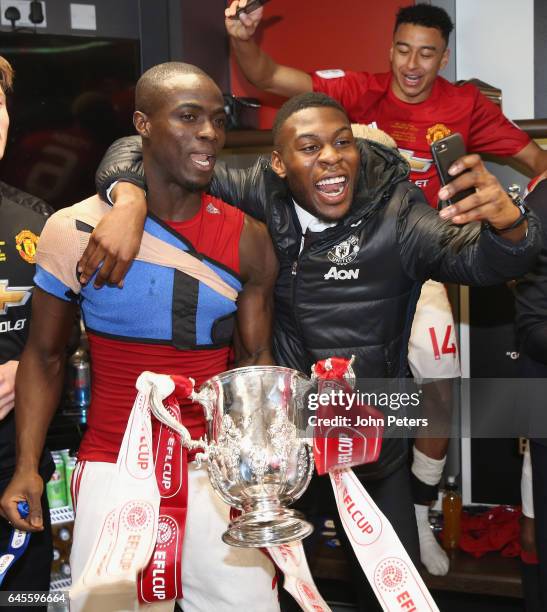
<point x="452" y="510"/>
<point x="81" y="381"/>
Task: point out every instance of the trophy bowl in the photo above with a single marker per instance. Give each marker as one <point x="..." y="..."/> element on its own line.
<point x="257" y="462"/>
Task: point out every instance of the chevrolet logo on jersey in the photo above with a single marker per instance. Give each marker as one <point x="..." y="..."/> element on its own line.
<point x="417" y="164"/>
<point x="12" y="296"/>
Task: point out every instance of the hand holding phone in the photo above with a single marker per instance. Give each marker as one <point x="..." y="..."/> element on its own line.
<point x="445" y="152"/>
<point x="490" y="202"/>
<point x="249" y="8"/>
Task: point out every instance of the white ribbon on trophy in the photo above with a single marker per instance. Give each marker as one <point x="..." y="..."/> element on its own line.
<point x="130" y="505"/>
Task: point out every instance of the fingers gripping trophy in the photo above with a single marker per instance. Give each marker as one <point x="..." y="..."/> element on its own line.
<point x="257" y="462"/>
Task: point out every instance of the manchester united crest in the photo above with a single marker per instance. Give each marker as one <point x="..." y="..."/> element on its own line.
<point x="26" y="242"/>
<point x="345" y="252"/>
<point x="436" y="132"/>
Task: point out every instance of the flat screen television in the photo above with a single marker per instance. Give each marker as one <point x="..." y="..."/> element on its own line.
<point x="73" y="96"/>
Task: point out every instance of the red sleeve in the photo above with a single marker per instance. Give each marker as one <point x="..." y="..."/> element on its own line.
<point x="348" y="88"/>
<point x="492" y="132"/>
<point x="534" y="182"/>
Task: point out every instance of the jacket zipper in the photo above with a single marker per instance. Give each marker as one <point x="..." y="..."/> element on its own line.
<point x="294" y="272"/>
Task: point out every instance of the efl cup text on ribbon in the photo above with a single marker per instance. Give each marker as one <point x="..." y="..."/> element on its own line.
<point x="142" y="456"/>
<point x="406" y="602"/>
<point x="128" y="553"/>
<point x="360" y="513"/>
<point x="307" y="594"/>
<point x="158" y="574"/>
<point x="289" y="554"/>
<point x="168" y="465"/>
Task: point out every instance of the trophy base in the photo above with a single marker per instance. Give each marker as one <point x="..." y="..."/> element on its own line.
<point x="259" y="529"/>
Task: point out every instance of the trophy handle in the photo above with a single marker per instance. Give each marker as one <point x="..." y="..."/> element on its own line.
<point x="164" y="416"/>
<point x="185" y="387"/>
<point x="207" y="398"/>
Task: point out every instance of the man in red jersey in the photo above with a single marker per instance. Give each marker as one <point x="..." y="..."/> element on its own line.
<point x="412" y="103"/>
<point x="415" y="106"/>
<point x="169" y="317"/>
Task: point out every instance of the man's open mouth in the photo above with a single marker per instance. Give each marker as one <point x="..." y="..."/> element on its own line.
<point x="203" y="161"/>
<point x="412" y="80"/>
<point x="333" y="186"/>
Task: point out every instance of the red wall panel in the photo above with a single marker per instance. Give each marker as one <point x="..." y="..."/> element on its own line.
<point x="308" y="34"/>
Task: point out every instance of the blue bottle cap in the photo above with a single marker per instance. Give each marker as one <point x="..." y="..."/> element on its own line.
<point x="23" y="508"/>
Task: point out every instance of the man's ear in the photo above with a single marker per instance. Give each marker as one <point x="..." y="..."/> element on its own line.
<point x="444" y="59"/>
<point x="142" y="124"/>
<point x="278" y="165"/>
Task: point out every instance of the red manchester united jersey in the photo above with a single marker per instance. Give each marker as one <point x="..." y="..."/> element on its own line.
<point x="368" y="99"/>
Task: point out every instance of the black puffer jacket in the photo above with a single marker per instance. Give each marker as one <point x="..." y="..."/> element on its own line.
<point x="354" y="291"/>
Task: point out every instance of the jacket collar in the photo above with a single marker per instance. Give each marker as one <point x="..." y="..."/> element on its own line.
<point x="382" y="168"/>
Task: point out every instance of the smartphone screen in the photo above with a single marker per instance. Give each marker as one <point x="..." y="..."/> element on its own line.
<point x="445" y="152"/>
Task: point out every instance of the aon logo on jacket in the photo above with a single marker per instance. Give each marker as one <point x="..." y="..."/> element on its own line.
<point x="342" y="274"/>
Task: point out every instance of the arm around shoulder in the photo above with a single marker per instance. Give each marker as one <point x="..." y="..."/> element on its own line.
<point x="115" y="241"/>
<point x="121" y="162"/>
<point x="242" y="188"/>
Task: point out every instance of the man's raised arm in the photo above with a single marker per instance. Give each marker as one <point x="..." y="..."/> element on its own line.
<point x="38" y="387"/>
<point x="258" y="266"/>
<point x="257" y="66"/>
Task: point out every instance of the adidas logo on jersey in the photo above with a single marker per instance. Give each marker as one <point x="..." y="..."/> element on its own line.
<point x="212" y="209"/>
<point x="336" y="274"/>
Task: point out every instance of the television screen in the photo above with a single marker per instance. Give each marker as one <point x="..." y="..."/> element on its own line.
<point x="72" y="97"/>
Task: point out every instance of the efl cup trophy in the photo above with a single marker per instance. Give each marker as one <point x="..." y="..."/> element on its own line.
<point x="257" y="462"/>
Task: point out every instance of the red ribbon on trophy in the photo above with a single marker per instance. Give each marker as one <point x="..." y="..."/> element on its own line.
<point x="161" y="579"/>
<point x="347" y="432"/>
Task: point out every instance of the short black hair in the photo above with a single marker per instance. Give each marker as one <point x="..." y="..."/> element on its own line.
<point x="427" y="16"/>
<point x="302" y="101"/>
<point x="148" y="91"/>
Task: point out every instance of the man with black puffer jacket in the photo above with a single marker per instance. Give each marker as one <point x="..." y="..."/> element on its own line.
<point x="355" y="241"/>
